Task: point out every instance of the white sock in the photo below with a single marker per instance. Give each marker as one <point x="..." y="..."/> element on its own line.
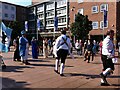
<point x="102" y="81"/>
<point x="107" y="71"/>
<point x="61" y="68"/>
<point x="56" y="64"/>
<point x="22" y="58"/>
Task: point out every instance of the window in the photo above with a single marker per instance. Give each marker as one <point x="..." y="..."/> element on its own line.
<point x="80" y="11"/>
<point x="94" y="9"/>
<point x="80" y="1"/>
<point x="12" y="8"/>
<point x="40" y="8"/>
<point x="49" y="6"/>
<point x="103" y="7"/>
<point x="101" y="25"/>
<point x="6" y="7"/>
<point x="6" y="15"/>
<point x="61" y="2"/>
<point x="95" y="25"/>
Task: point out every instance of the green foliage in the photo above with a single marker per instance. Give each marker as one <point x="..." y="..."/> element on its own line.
<point x="81" y="27"/>
<point x="17" y="28"/>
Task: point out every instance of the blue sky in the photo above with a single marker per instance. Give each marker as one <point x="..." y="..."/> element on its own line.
<point x="19" y="2"/>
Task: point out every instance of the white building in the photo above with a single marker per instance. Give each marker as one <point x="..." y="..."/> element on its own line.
<point x="46" y="11"/>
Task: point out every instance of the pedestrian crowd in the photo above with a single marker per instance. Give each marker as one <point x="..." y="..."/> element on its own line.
<point x="62" y="46"/>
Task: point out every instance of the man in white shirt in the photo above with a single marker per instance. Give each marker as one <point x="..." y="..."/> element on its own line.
<point x="61" y="49"/>
<point x="108" y="53"/>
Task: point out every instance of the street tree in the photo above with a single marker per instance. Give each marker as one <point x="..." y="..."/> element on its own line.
<point x="81" y="27"/>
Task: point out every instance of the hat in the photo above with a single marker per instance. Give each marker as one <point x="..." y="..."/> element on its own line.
<point x="23" y="32"/>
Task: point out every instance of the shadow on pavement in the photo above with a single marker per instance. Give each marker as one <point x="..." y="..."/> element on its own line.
<point x="47" y="65"/>
<point x="35" y="60"/>
<point x="10" y="83"/>
<point x="15" y="68"/>
<point x="90" y="75"/>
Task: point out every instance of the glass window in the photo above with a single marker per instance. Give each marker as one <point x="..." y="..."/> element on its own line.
<point x="12" y="8"/>
<point x="103" y="7"/>
<point x="80" y="1"/>
<point x="101" y="25"/>
<point x="6" y="7"/>
<point x="94" y="9"/>
<point x="95" y="25"/>
<point x="80" y="11"/>
<point x="6" y="15"/>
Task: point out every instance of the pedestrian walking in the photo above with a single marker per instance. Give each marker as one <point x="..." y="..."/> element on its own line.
<point x="81" y="45"/>
<point x="108" y="53"/>
<point x="119" y="48"/>
<point x="22" y="47"/>
<point x="77" y="47"/>
<point x="45" y="48"/>
<point x="16" y="56"/>
<point x="88" y="51"/>
<point x="34" y="48"/>
<point x="62" y="48"/>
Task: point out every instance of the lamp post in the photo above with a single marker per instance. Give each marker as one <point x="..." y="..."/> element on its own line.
<point x="73" y="9"/>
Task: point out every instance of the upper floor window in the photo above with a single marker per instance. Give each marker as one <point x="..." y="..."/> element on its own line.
<point x="80" y="1"/>
<point x="94" y="9"/>
<point x="12" y="8"/>
<point x="103" y="7"/>
<point x="95" y="25"/>
<point x="6" y="7"/>
<point x="80" y="11"/>
<point x="49" y="6"/>
<point x="61" y="2"/>
<point x="40" y="8"/>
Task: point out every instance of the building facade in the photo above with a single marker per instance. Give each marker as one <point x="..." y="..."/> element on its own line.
<point x="46" y="13"/>
<point x="11" y="12"/>
<point x="94" y="10"/>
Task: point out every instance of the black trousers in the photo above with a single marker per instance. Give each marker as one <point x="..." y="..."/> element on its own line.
<point x="16" y="54"/>
<point x="107" y="63"/>
<point x="62" y="54"/>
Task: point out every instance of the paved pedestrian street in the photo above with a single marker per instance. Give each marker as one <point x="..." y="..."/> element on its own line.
<point x="40" y="74"/>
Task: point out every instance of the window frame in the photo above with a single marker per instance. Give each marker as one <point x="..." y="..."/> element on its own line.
<point x="82" y="11"/>
<point x="80" y="1"/>
<point x="105" y="7"/>
<point x="97" y="25"/>
<point x="101" y="25"/>
<point x="95" y="11"/>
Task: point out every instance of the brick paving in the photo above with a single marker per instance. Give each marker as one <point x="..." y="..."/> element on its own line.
<point x="40" y="74"/>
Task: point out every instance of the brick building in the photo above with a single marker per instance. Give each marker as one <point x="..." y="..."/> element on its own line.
<point x="94" y="10"/>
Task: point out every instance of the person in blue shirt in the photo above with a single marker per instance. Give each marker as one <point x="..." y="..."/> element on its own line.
<point x="34" y="48"/>
<point x="22" y="47"/>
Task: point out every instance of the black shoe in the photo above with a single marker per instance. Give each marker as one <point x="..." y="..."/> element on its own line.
<point x="27" y="63"/>
<point x="62" y="75"/>
<point x="105" y="84"/>
<point x="103" y="77"/>
<point x="3" y="66"/>
<point x="56" y="71"/>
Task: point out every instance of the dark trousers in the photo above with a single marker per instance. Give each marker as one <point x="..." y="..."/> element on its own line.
<point x="107" y="63"/>
<point x="62" y="54"/>
<point x="16" y="54"/>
